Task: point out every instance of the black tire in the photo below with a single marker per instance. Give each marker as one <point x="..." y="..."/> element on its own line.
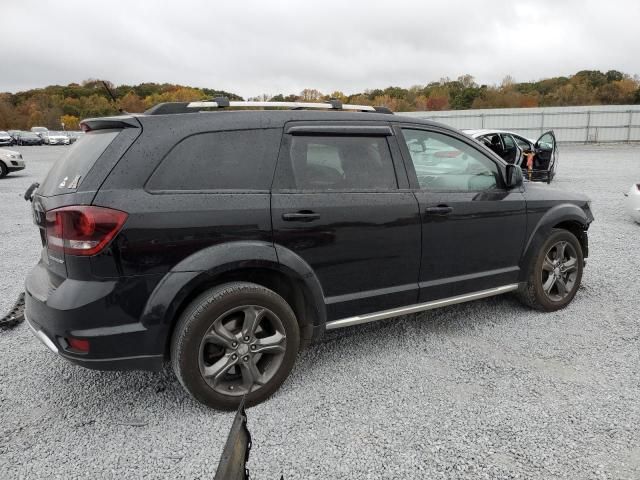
<point x="533" y="293"/>
<point x="189" y="348"/>
<point x="3" y="170"/>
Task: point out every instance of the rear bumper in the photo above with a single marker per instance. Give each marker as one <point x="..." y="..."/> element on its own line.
<point x="93" y="311"/>
<point x="142" y="362"/>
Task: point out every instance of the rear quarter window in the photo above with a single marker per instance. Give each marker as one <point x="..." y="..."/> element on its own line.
<point x="213" y="161"/>
<point x="69" y="171"/>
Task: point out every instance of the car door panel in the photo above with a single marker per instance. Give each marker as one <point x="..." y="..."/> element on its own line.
<point x="474" y="247"/>
<point x="546" y="153"/>
<point x="473" y="228"/>
<point x="362" y="244"/>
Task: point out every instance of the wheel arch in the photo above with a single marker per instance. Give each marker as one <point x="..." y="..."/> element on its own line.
<point x="255" y="262"/>
<point x="566" y="216"/>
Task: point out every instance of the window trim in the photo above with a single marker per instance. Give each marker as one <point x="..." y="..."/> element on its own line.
<point x="340" y="130"/>
<point x="470" y="142"/>
<point x="284" y="159"/>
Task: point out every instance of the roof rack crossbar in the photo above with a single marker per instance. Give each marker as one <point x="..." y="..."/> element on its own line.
<point x="330" y="105"/>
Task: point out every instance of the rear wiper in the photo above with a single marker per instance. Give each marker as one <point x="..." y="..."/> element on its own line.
<point x="28" y="195"/>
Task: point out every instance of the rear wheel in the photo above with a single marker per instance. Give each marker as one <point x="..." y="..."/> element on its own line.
<point x="234" y="340"/>
<point x="3" y="170"/>
<point x="555" y="273"/>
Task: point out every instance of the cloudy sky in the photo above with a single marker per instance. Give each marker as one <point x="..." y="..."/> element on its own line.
<point x="271" y="46"/>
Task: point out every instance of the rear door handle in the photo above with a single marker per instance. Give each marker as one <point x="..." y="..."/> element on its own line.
<point x="302" y="216"/>
<point x="439" y="210"/>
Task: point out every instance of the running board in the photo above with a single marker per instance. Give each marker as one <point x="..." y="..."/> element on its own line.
<point x="419" y="307"/>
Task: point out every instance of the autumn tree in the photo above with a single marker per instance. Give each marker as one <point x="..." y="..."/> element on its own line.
<point x="70" y="122"/>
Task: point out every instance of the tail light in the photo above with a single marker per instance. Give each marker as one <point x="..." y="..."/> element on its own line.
<point x="82" y="230"/>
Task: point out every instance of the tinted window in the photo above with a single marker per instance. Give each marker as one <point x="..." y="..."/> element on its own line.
<point x="235" y="160"/>
<point x="68" y="172"/>
<point x="341" y="163"/>
<point x="446" y="163"/>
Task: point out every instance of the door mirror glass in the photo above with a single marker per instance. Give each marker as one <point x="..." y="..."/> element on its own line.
<point x="514" y="176"/>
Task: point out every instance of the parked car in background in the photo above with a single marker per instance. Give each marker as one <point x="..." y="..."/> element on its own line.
<point x="5" y="138"/>
<point x="14" y="135"/>
<point x="39" y="130"/>
<point x="516" y="149"/>
<point x="225" y="242"/>
<point x="29" y="138"/>
<point x="10" y="161"/>
<point x="74" y="135"/>
<point x="55" y="138"/>
<point x="633" y="201"/>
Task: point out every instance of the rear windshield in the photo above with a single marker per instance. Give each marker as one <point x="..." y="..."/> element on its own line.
<point x="67" y="172"/>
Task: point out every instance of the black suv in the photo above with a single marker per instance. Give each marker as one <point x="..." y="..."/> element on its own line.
<point x="225" y="240"/>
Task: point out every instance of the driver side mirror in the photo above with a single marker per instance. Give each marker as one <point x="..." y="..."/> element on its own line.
<point x="513" y="176"/>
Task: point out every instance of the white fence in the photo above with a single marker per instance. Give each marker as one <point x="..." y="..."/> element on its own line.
<point x="588" y="124"/>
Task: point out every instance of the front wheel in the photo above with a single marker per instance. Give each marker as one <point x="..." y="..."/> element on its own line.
<point x="555" y="273"/>
<point x="238" y="339"/>
<point x="3" y="170"/>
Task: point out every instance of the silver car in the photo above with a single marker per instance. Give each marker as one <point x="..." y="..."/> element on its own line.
<point x="5" y="138"/>
<point x="10" y="161"/>
<point x="55" y="138"/>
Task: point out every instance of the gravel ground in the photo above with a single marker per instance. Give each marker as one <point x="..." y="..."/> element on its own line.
<point x="483" y="390"/>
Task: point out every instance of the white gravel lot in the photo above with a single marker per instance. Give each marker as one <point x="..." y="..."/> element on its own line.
<point x="483" y="390"/>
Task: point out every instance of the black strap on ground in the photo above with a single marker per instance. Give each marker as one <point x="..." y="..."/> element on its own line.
<point x="15" y="315"/>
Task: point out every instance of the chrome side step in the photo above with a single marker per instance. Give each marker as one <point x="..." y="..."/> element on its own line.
<point x="419" y="307"/>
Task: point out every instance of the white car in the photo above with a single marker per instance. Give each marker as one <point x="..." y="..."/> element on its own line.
<point x="512" y="147"/>
<point x="40" y="131"/>
<point x="5" y="138"/>
<point x="55" y="138"/>
<point x="10" y="161"/>
<point x="633" y="202"/>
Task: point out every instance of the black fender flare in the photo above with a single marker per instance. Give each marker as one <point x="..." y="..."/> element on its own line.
<point x="178" y="284"/>
<point x="538" y="233"/>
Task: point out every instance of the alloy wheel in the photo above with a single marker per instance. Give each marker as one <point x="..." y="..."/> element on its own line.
<point x="242" y="350"/>
<point x="559" y="271"/>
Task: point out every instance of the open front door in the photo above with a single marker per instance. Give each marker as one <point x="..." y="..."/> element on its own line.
<point x="545" y="162"/>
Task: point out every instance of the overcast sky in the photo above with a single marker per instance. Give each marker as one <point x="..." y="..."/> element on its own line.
<point x="269" y="46"/>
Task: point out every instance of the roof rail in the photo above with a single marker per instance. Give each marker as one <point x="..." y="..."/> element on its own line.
<point x="224" y="102"/>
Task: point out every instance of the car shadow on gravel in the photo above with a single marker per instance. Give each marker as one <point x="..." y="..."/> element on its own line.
<point x="130" y="391"/>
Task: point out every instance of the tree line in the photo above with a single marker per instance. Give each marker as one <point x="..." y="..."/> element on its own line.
<point x="54" y="105"/>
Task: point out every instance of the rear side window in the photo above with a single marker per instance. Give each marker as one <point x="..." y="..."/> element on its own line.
<point x="341" y="163"/>
<point x="233" y="160"/>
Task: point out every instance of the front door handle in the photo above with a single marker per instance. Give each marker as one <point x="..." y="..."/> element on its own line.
<point x="439" y="210"/>
<point x="302" y="216"/>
